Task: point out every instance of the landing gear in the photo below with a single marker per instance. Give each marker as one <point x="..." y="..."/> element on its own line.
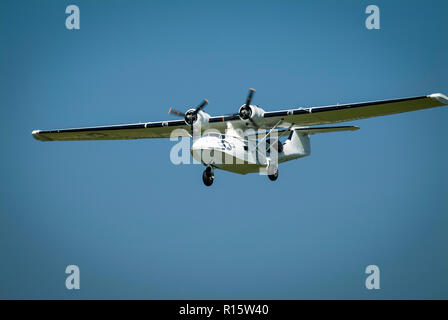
<point x="208" y="176"/>
<point x="272" y="173"/>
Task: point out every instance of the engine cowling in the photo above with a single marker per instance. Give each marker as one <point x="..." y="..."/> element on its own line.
<point x="199" y="119"/>
<point x="247" y="112"/>
<point x="190" y="117"/>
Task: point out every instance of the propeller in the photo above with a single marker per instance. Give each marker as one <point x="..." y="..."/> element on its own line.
<point x="249" y="96"/>
<point x="246" y="111"/>
<point x="191" y="115"/>
<point x="177" y="113"/>
<point x="201" y="106"/>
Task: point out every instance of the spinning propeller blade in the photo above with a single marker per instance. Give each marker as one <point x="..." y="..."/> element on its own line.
<point x="175" y="112"/>
<point x="253" y="123"/>
<point x="201" y="106"/>
<point x="248" y="101"/>
<point x="249" y="96"/>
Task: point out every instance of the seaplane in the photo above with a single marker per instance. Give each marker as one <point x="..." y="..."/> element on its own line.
<point x="251" y="140"/>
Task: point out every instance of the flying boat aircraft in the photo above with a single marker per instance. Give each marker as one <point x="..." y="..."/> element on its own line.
<point x="251" y="140"/>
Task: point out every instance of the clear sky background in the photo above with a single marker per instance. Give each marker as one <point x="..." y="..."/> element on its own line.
<point x="140" y="227"/>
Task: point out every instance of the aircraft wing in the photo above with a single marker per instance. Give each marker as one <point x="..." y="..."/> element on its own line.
<point x="162" y="129"/>
<point x="279" y="119"/>
<point x="355" y="111"/>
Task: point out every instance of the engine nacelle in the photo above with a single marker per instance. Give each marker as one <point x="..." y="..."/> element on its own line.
<point x="247" y="112"/>
<point x="199" y="119"/>
<point x="190" y="117"/>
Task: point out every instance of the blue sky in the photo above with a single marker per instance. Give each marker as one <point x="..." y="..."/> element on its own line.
<point x="140" y="227"/>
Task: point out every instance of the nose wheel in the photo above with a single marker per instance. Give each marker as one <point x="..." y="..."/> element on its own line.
<point x="272" y="173"/>
<point x="208" y="176"/>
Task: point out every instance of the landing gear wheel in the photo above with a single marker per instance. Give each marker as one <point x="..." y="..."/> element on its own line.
<point x="273" y="174"/>
<point x="208" y="176"/>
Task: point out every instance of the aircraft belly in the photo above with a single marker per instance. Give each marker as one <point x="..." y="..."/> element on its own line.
<point x="226" y="160"/>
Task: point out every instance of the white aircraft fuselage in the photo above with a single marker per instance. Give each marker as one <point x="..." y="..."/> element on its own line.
<point x="232" y="152"/>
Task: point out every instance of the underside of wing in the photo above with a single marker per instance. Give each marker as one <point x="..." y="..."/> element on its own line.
<point x="356" y="111"/>
<point x="315" y="130"/>
<point x="115" y="132"/>
<point x="303" y="130"/>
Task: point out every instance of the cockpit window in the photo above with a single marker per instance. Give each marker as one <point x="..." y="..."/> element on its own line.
<point x="212" y="134"/>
